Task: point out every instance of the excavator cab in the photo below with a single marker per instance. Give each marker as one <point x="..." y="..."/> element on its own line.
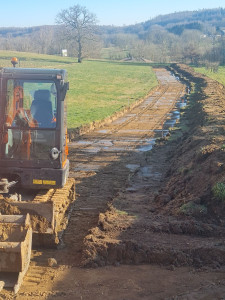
<point x="33" y="132"/>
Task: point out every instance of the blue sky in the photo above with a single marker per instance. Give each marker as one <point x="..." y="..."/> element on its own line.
<point x="25" y="13"/>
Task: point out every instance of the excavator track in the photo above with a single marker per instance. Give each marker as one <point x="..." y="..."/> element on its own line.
<point x="49" y="211"/>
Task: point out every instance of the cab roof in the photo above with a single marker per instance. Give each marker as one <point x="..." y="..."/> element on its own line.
<point x="32" y="73"/>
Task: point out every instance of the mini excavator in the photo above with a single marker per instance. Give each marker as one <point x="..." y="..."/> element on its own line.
<point x="33" y="136"/>
<point x="33" y="162"/>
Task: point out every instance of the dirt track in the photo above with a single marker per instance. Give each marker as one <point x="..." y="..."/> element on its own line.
<point x="128" y="207"/>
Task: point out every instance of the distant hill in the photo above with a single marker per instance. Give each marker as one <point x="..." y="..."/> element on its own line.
<point x="196" y="37"/>
<point x="176" y="22"/>
<point x="212" y="16"/>
<point x="17" y="31"/>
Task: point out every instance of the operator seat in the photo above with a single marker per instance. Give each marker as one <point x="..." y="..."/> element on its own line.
<point x="41" y="108"/>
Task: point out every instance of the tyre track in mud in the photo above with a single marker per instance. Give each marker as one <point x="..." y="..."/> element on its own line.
<point x="124" y="121"/>
<point x="119" y="125"/>
<point x="101" y="163"/>
<point x="102" y="167"/>
<point x="146" y="232"/>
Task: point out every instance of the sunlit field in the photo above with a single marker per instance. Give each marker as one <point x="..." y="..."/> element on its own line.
<point x="218" y="76"/>
<point x="97" y="88"/>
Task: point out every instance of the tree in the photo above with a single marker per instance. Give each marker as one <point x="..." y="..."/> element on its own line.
<point x="79" y="25"/>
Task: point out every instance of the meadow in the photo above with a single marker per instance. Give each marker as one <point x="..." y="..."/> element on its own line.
<point x="98" y="88"/>
<point x="218" y="76"/>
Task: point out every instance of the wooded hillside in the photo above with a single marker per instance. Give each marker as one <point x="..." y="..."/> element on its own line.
<point x="196" y="37"/>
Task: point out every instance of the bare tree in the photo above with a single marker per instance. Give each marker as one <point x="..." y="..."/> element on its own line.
<point x="79" y="24"/>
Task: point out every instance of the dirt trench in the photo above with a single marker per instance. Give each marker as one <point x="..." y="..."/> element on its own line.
<point x="168" y="214"/>
<point x="144" y="212"/>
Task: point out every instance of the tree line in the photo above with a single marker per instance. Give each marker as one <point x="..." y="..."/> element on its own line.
<point x="190" y="37"/>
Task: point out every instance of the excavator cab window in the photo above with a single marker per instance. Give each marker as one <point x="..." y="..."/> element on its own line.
<point x="37" y="100"/>
<point x="30" y="118"/>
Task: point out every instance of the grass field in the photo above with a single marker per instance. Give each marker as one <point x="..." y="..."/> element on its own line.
<point x="97" y="88"/>
<point x="218" y="76"/>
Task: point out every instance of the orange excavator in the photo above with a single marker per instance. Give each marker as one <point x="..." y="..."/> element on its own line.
<point x="33" y="164"/>
<point x="33" y="136"/>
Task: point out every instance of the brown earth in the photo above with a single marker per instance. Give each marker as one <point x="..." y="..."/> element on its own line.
<point x="148" y="218"/>
<point x="38" y="223"/>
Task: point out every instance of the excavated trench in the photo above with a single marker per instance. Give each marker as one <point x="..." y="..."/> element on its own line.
<point x="158" y="218"/>
<point x="103" y="159"/>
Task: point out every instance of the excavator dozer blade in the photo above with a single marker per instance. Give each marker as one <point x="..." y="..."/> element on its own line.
<point x="49" y="213"/>
<point x="15" y="250"/>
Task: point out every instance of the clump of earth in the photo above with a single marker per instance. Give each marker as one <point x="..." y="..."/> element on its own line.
<point x="38" y="223"/>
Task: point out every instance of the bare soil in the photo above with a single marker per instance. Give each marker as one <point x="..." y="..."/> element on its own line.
<point x="8" y="209"/>
<point x="9" y="233"/>
<point x="145" y="224"/>
<point x="38" y="223"/>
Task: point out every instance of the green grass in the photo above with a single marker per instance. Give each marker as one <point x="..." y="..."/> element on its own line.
<point x="218" y="76"/>
<point x="113" y="53"/>
<point x="97" y="88"/>
<point x="219" y="191"/>
<point x="192" y="208"/>
<point x="33" y="60"/>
